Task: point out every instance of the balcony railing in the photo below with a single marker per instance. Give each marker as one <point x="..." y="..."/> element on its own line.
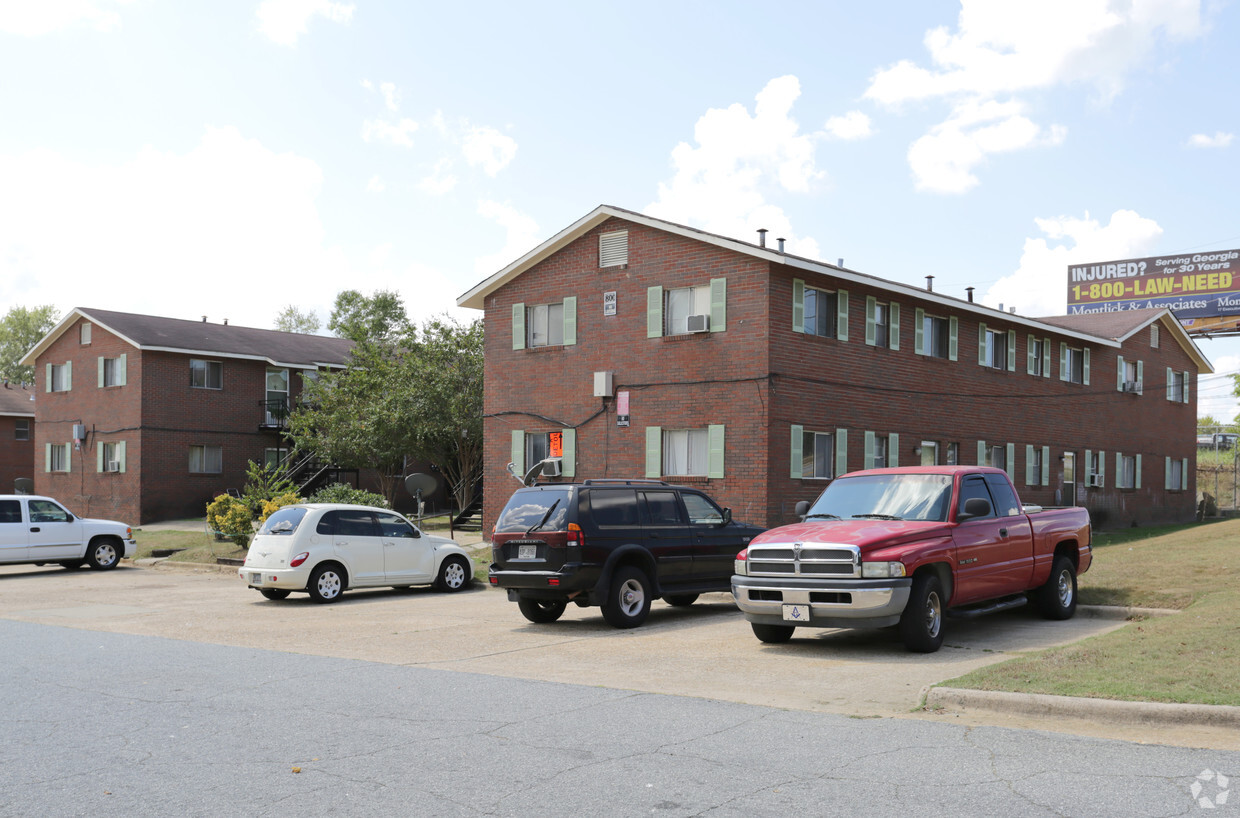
<point x="275" y="413"/>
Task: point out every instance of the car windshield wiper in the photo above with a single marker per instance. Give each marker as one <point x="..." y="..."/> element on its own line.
<point x="822" y="515"/>
<point x="876" y="517"/>
<point x="544" y="519"/>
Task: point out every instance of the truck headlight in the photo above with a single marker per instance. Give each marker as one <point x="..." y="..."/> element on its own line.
<point x="882" y="570"/>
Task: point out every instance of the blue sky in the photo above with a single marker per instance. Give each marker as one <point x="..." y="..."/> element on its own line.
<point x="231" y="158"/>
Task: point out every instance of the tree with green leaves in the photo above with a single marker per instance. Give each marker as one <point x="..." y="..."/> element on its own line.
<point x="21" y="329"/>
<point x="376" y="319"/>
<point x="292" y="319"/>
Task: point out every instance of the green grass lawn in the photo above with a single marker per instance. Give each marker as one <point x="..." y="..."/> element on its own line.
<point x="1192" y="657"/>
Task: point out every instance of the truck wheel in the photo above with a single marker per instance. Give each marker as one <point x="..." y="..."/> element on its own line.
<point x="103" y="555"/>
<point x="1057" y="598"/>
<point x="772" y="634"/>
<point x="541" y="611"/>
<point x="921" y="624"/>
<point x="680" y="600"/>
<point x="628" y="599"/>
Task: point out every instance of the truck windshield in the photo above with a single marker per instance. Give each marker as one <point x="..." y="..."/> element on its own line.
<point x="922" y="497"/>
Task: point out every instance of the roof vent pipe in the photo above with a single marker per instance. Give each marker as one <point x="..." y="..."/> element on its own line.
<point x="204" y="319"/>
<point x="225" y="322"/>
<point x="930" y="283"/>
<point x="762" y="237"/>
<point x="839" y="262"/>
<point x="781" y="244"/>
<point x="1000" y="306"/>
<point x="1012" y="310"/>
<point x="969" y="290"/>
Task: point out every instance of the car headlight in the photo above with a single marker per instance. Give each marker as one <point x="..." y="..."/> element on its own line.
<point x="882" y="570"/>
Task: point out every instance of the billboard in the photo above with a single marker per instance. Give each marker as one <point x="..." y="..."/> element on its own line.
<point x="1194" y="285"/>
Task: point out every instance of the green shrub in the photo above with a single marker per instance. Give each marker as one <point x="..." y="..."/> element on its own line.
<point x="275" y="503"/>
<point x="231" y="517"/>
<point x="344" y="493"/>
<point x="263" y="484"/>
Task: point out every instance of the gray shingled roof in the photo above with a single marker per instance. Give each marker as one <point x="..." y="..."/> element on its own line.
<point x="1116" y="325"/>
<point x="16" y="399"/>
<point x="150" y="332"/>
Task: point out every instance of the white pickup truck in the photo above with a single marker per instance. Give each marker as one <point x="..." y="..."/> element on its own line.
<point x="40" y="530"/>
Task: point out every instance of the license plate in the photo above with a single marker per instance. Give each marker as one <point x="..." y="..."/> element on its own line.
<point x="256" y="579"/>
<point x="527" y="552"/>
<point x="796" y="613"/>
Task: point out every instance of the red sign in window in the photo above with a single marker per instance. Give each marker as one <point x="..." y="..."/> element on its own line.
<point x="557" y="444"/>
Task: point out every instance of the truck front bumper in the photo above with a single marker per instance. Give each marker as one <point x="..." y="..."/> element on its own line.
<point x="856" y="603"/>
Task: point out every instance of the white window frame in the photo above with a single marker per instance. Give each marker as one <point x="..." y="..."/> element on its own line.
<point x="207" y="456"/>
<point x="206" y="367"/>
<point x="21" y="429"/>
<point x="927" y="326"/>
<point x="1177" y="386"/>
<point x="681" y="302"/>
<point x="686" y="452"/>
<point x="59" y="458"/>
<point x="544" y="325"/>
<point x="1067" y="371"/>
<point x="826" y="308"/>
<point x="60" y="377"/>
<point x="1177" y="474"/>
<point x="995" y="350"/>
<point x="952" y="455"/>
<point x="84" y="334"/>
<point x="1127" y="471"/>
<point x="112" y="372"/>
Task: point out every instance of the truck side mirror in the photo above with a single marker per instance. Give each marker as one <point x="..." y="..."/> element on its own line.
<point x="802" y="509"/>
<point x="974" y="507"/>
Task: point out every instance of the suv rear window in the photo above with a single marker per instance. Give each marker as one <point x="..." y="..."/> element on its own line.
<point x="283" y="521"/>
<point x="526" y="509"/>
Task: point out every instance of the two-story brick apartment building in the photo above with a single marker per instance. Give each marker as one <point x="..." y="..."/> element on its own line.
<point x="16" y="433"/>
<point x="641" y="348"/>
<point x="143" y="418"/>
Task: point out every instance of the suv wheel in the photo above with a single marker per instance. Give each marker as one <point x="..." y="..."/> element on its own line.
<point x="628" y="599"/>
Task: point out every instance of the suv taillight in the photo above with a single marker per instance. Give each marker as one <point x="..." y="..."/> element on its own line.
<point x="575" y="537"/>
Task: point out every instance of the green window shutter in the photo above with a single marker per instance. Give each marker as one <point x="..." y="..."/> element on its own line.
<point x="1030" y="477"/>
<point x="122" y="363"/>
<point x="68" y="458"/>
<point x="1119" y="373"/>
<point x="101" y="371"/>
<point x="1119" y="468"/>
<point x="68" y="376"/>
<point x="120" y="454"/>
<point x="841" y="452"/>
<point x="798" y="305"/>
<point x="570" y="320"/>
<point x="796" y="468"/>
<point x="1170" y="384"/>
<point x="99" y="464"/>
<point x="714" y="436"/>
<point x="1046" y="465"/>
<point x="1102" y="466"/>
<point x="1184" y="474"/>
<point x="919" y="331"/>
<point x="654" y="451"/>
<point x="981" y="344"/>
<point x="1186" y="386"/>
<point x="893" y="315"/>
<point x="1031" y="356"/>
<point x="953" y="337"/>
<point x="518" y="326"/>
<point x="568" y="459"/>
<point x="654" y="312"/>
<point x="517" y="452"/>
<point x="47" y="378"/>
<point x="1046" y="358"/>
<point x="1137" y="479"/>
<point x="893" y="450"/>
<point x="841" y="315"/>
<point x="981" y="453"/>
<point x="47" y="457"/>
<point x="1085" y="369"/>
<point x="870" y="304"/>
<point x="1063" y="361"/>
<point x="1011" y="462"/>
<point x="1140" y="377"/>
<point x="1011" y="361"/>
<point x="718" y="305"/>
<point x="1167" y="473"/>
<point x="868" y="463"/>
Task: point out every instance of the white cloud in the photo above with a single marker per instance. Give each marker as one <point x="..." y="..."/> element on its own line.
<point x="391" y="97"/>
<point x="380" y="255"/>
<point x="1039" y="286"/>
<point x="489" y="148"/>
<point x="943" y="160"/>
<point x="397" y="132"/>
<point x="1214" y="392"/>
<point x="235" y="218"/>
<point x="521" y="236"/>
<point x="1003" y="48"/>
<point x="852" y="125"/>
<point x="1219" y="140"/>
<point x="33" y="18"/>
<point x="283" y="21"/>
<point x="375" y="185"/>
<point x="440" y="180"/>
<point x="721" y="183"/>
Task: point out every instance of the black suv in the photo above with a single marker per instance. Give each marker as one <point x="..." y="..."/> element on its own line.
<point x="617" y="544"/>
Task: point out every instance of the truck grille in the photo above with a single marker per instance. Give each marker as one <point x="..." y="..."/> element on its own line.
<point x="805" y="560"/>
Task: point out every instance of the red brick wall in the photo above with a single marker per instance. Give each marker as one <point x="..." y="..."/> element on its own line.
<point x="16" y="456"/>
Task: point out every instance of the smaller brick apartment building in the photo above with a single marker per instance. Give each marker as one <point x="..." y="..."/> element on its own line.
<point x="142" y="418"/>
<point x="16" y="433"/>
<point x="636" y="347"/>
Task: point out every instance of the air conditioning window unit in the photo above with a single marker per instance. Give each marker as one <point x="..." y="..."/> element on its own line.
<point x="551" y="467"/>
<point x="1093" y="481"/>
<point x="1132" y="386"/>
<point x="113" y="465"/>
<point x="699" y="323"/>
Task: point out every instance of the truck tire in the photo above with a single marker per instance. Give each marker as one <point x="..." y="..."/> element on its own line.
<point x="772" y="634"/>
<point x="921" y="624"/>
<point x="541" y="611"/>
<point x="628" y="599"/>
<point x="680" y="600"/>
<point x="1057" y="598"/>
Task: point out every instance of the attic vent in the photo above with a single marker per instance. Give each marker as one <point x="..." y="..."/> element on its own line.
<point x="613" y="249"/>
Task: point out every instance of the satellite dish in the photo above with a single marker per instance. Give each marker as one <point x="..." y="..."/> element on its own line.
<point x="23" y="485"/>
<point x="420" y="484"/>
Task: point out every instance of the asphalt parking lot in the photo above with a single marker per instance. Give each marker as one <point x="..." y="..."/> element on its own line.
<point x="705" y="651"/>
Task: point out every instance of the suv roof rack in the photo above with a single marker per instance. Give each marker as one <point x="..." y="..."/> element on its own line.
<point x="625" y="481"/>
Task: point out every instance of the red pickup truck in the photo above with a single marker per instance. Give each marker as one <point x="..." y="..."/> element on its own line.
<point x="905" y="546"/>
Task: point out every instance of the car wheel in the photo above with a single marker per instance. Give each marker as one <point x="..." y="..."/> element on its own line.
<point x="921" y="624"/>
<point x="680" y="600"/>
<point x="102" y="555"/>
<point x="326" y="583"/>
<point x="454" y="574"/>
<point x="541" y="611"/>
<point x="1057" y="598"/>
<point x="275" y="593"/>
<point x="772" y="634"/>
<point x="628" y="600"/>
